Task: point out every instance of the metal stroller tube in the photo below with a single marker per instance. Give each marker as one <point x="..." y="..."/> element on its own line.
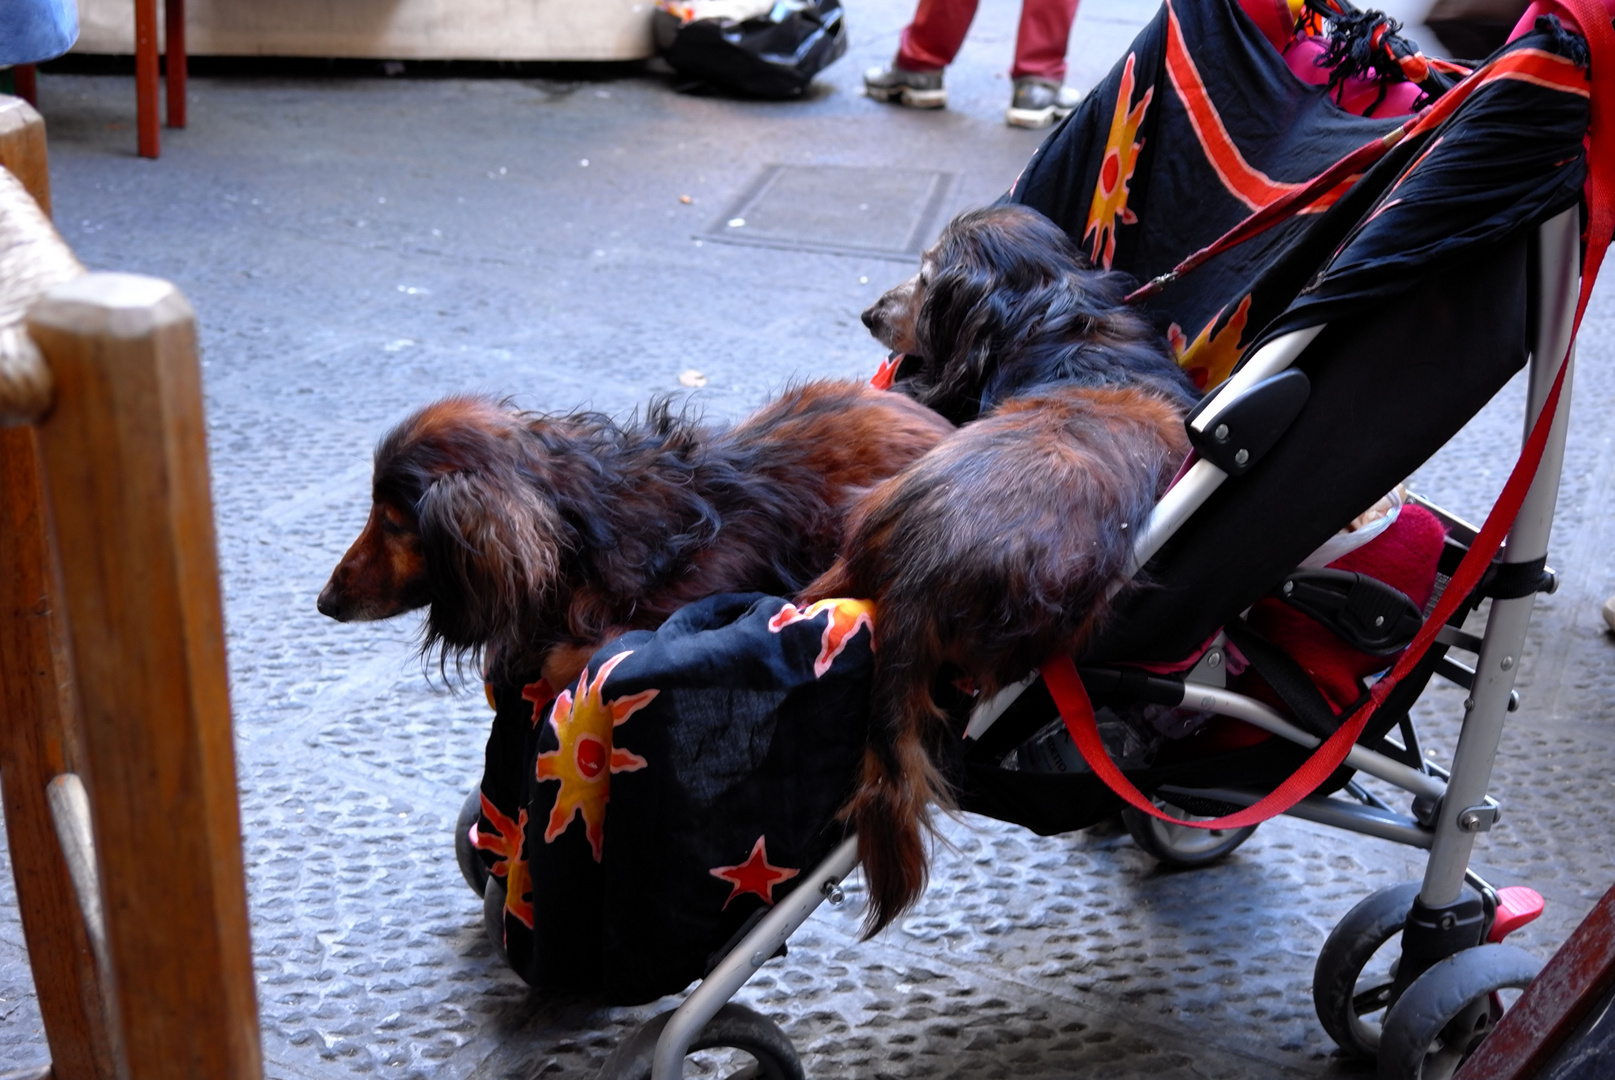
<point x="1557" y="276"/>
<point x="742" y="961"/>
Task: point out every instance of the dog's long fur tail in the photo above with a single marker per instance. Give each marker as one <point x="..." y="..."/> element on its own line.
<point x="983" y="559"/>
<point x="899" y="782"/>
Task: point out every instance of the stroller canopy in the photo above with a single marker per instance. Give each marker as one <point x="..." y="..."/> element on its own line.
<point x="1417" y="267"/>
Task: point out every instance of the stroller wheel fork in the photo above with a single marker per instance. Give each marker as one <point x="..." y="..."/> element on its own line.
<point x="697" y="1022"/>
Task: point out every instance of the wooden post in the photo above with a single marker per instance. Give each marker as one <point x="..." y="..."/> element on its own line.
<point x="146" y="77"/>
<point x="1574" y="981"/>
<point x="22" y="148"/>
<point x="125" y="461"/>
<point x="38" y="719"/>
<point x="174" y="60"/>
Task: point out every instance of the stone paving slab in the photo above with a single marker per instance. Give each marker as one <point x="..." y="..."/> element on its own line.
<point x="355" y="247"/>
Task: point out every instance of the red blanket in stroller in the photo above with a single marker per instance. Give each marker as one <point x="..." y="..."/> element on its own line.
<point x="692" y="775"/>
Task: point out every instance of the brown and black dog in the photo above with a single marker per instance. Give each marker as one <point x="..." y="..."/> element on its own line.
<point x="535" y="539"/>
<point x="1003" y="302"/>
<point x="994" y="552"/>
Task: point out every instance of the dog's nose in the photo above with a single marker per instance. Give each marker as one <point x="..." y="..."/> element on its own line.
<point x="869" y="317"/>
<point x="327" y="603"/>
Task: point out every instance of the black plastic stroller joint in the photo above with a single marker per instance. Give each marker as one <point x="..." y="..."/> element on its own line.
<point x="1366" y="613"/>
<point x="1234" y="435"/>
<point x="1431" y="934"/>
<point x="1510" y="581"/>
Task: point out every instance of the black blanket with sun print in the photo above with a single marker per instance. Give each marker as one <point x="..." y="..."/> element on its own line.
<point x="1202" y="122"/>
<point x="687" y="781"/>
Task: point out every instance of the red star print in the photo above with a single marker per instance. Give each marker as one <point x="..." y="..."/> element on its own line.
<point x="755" y="875"/>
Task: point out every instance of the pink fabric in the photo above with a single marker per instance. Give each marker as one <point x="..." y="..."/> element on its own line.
<point x="932" y="39"/>
<point x="1528" y="20"/>
<point x="1357" y="94"/>
<point x="1273" y="19"/>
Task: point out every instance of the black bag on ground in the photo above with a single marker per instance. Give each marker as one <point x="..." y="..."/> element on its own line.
<point x="774" y="54"/>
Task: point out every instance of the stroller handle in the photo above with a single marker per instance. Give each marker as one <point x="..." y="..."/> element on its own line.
<point x="1203" y="478"/>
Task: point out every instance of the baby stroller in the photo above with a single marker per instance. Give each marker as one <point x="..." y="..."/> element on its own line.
<point x="1347" y="328"/>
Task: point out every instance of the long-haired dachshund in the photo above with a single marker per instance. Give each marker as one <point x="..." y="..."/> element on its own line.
<point x="1004" y="301"/>
<point x="535" y="539"/>
<point x="991" y="554"/>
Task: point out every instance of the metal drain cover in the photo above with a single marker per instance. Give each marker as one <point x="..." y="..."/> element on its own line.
<point x="840" y="209"/>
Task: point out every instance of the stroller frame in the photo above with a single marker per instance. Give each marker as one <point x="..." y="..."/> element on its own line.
<point x="1451" y="805"/>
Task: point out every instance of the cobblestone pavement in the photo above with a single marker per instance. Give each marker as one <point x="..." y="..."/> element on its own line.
<point x="356" y="246"/>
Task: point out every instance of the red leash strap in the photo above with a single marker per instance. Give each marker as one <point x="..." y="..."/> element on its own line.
<point x="1060" y="674"/>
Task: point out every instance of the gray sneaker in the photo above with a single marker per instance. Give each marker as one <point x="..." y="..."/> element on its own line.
<point x="916" y="89"/>
<point x="1039" y="103"/>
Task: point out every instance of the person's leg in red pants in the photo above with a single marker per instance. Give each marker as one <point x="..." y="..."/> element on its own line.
<point x="932" y="40"/>
<point x="1041" y="41"/>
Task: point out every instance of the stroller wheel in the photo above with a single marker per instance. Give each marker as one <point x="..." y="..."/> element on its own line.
<point x="1442" y="1017"/>
<point x="1178" y="845"/>
<point x="737" y="1043"/>
<point x="1351" y="984"/>
<point x="476" y="874"/>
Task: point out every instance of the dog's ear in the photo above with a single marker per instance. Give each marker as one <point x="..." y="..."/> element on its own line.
<point x="493" y="549"/>
<point x="966" y="312"/>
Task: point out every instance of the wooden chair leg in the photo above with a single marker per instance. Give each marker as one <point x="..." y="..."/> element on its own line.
<point x="125" y="462"/>
<point x="146" y="77"/>
<point x="174" y="59"/>
<point x="25" y="78"/>
<point x="37" y="743"/>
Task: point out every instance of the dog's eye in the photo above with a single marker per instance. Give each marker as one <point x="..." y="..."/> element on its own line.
<point x="394" y="522"/>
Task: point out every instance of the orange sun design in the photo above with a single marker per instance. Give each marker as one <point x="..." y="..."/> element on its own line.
<point x="1121" y="158"/>
<point x="1210" y="358"/>
<point x="756" y="875"/>
<point x="846" y="617"/>
<point x="586" y="759"/>
<point x="506" y="839"/>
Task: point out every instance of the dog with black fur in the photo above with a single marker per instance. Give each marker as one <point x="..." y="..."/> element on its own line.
<point x="1011" y="542"/>
<point x="1005" y="301"/>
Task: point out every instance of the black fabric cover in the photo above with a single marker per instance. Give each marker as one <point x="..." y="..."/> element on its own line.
<point x="1141" y="180"/>
<point x="1418" y="270"/>
<point x="702" y="771"/>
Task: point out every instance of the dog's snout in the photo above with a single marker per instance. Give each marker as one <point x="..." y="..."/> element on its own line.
<point x="329" y="602"/>
<point x="869" y="317"/>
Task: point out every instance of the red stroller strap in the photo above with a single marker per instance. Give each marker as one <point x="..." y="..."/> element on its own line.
<point x="1060" y="674"/>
